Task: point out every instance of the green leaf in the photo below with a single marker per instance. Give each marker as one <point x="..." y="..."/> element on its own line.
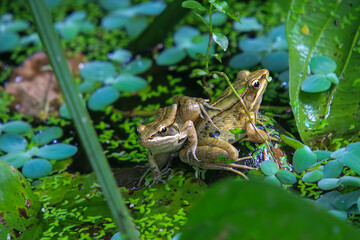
<point x="120" y="55"/>
<point x="345" y="201"/>
<point x="303" y="158"/>
<point x="37" y="168"/>
<point x="349" y="181"/>
<point x="15" y="127"/>
<point x="247" y="24"/>
<point x="286" y="177"/>
<point x="217" y="18"/>
<point x="171" y="56"/>
<point x="10" y="142"/>
<point x="291" y="141"/>
<point x="322" y="155"/>
<point x="16" y="159"/>
<point x="129" y="83"/>
<point x="322" y="65"/>
<point x="137" y="66"/>
<point x="57" y="151"/>
<point x="263" y="203"/>
<point x="333" y="78"/>
<point x="328" y="183"/>
<point x="47" y="135"/>
<point x="315" y="83"/>
<point x="221" y="40"/>
<point x="193" y="5"/>
<point x="17" y="26"/>
<point x="269" y="167"/>
<point x="259" y="44"/>
<point x="245" y="60"/>
<point x="322" y="115"/>
<point x="204" y="20"/>
<point x="313" y="176"/>
<point x="350" y="160"/>
<point x="272" y="179"/>
<point x="102" y="98"/>
<point x="8" y="41"/>
<point x="184" y="36"/>
<point x="97" y="70"/>
<point x="333" y="169"/>
<point x="223" y="6"/>
<point x="114" y="21"/>
<point x="276" y="61"/>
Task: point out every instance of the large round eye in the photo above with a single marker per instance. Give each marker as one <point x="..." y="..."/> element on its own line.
<point x="162" y="129"/>
<point x="255" y="84"/>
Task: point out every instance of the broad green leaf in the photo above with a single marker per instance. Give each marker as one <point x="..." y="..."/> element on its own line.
<point x="120" y="55"/>
<point x="328" y="183"/>
<point x="322" y="154"/>
<point x="129" y="83"/>
<point x="334" y="33"/>
<point x="313" y="176"/>
<point x="16" y="159"/>
<point x="217" y="18"/>
<point x="303" y="158"/>
<point x="272" y="179"/>
<point x="17" y="25"/>
<point x="8" y="41"/>
<point x="259" y="44"/>
<point x="47" y="135"/>
<point x="221" y="40"/>
<point x="350" y="160"/>
<point x="224" y="7"/>
<point x="193" y="5"/>
<point x="200" y="46"/>
<point x="36" y="168"/>
<point x="345" y="201"/>
<point x="102" y="98"/>
<point x="269" y="167"/>
<point x="333" y="78"/>
<point x="315" y="84"/>
<point x="137" y="66"/>
<point x="333" y="169"/>
<point x="184" y="35"/>
<point x="151" y="8"/>
<point x="114" y="4"/>
<point x="276" y="61"/>
<point x="135" y="27"/>
<point x="286" y="177"/>
<point x="349" y="181"/>
<point x="15" y="127"/>
<point x="291" y="217"/>
<point x="114" y="21"/>
<point x="171" y="56"/>
<point x="204" y="20"/>
<point x="291" y="141"/>
<point x="97" y="70"/>
<point x="57" y="151"/>
<point x="247" y="24"/>
<point x="322" y="65"/>
<point x="10" y="142"/>
<point x="245" y="60"/>
<point x="18" y="205"/>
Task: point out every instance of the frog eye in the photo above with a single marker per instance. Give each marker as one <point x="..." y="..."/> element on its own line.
<point x="255" y="84"/>
<point x="162" y="129"/>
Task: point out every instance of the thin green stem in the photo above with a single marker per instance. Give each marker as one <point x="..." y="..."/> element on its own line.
<point x="207" y="56"/>
<point x="83" y="124"/>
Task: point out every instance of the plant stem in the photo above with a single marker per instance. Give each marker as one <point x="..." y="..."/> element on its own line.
<point x="207" y="56"/>
<point x="83" y="124"/>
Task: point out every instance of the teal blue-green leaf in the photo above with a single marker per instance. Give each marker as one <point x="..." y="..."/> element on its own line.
<point x="245" y="60"/>
<point x="97" y="70"/>
<point x="218" y="18"/>
<point x="86" y="27"/>
<point x="51" y="4"/>
<point x="326" y="200"/>
<point x="345" y="201"/>
<point x="184" y="36"/>
<point x="278" y="32"/>
<point x="284" y="77"/>
<point x="286" y="177"/>
<point x="353" y="148"/>
<point x="333" y="169"/>
<point x="333" y="78"/>
<point x="200" y="46"/>
<point x="10" y="142"/>
<point x="17" y="26"/>
<point x="313" y="176"/>
<point x="120" y="55"/>
<point x="37" y="168"/>
<point x="322" y="155"/>
<point x="322" y="65"/>
<point x="129" y="83"/>
<point x="276" y="61"/>
<point x="303" y="158"/>
<point x="47" y="135"/>
<point x="31" y="38"/>
<point x="19" y="206"/>
<point x="247" y="24"/>
<point x="64" y="111"/>
<point x="259" y="44"/>
<point x="280" y="44"/>
<point x="263" y="203"/>
<point x="349" y="181"/>
<point x="269" y="167"/>
<point x="68" y="30"/>
<point x="86" y="86"/>
<point x="337" y="153"/>
<point x="315" y="83"/>
<point x="8" y="41"/>
<point x="171" y="56"/>
<point x="328" y="183"/>
<point x="193" y="5"/>
<point x="102" y="98"/>
<point x="291" y="141"/>
<point x="76" y="16"/>
<point x="114" y="4"/>
<point x="16" y="159"/>
<point x="151" y="8"/>
<point x="114" y="21"/>
<point x="350" y="160"/>
<point x="342" y="215"/>
<point x="15" y="127"/>
<point x="221" y="40"/>
<point x="137" y="66"/>
<point x="135" y="27"/>
<point x="272" y="179"/>
<point x="57" y="151"/>
<point x="338" y="108"/>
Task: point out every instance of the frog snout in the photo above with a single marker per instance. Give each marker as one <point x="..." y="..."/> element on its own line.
<point x="141" y="128"/>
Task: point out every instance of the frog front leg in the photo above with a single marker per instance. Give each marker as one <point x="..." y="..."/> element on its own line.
<point x="156" y="163"/>
<point x="255" y="134"/>
<point x="209" y="150"/>
<point x="188" y="130"/>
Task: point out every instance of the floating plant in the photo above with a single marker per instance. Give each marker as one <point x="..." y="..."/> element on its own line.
<point x="247" y="24"/>
<point x="323" y="69"/>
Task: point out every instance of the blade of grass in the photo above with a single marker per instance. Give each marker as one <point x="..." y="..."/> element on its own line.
<point x="81" y="118"/>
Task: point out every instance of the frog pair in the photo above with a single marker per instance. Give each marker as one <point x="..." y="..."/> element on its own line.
<point x="207" y="131"/>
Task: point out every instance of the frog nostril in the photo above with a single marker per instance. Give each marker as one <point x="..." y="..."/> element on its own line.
<point x="140" y="128"/>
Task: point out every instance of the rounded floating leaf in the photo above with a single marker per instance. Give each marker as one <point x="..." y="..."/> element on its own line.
<point x="322" y="155"/>
<point x="97" y="70"/>
<point x="57" y="151"/>
<point x="245" y="60"/>
<point x="8" y="41"/>
<point x="10" y="142"/>
<point x="114" y="21"/>
<point x="276" y="61"/>
<point x="102" y="98"/>
<point x="278" y="32"/>
<point x="31" y="38"/>
<point x="47" y="135"/>
<point x="16" y="159"/>
<point x="129" y="83"/>
<point x="193" y="5"/>
<point x="171" y="56"/>
<point x="137" y="66"/>
<point x="350" y="160"/>
<point x="64" y="111"/>
<point x="218" y="18"/>
<point x="286" y="177"/>
<point x="346" y="201"/>
<point x="149" y="8"/>
<point x="221" y="40"/>
<point x="284" y="76"/>
<point x="86" y="86"/>
<point x="86" y="27"/>
<point x="338" y="153"/>
<point x="259" y="44"/>
<point x="342" y="215"/>
<point x="322" y="65"/>
<point x="280" y="44"/>
<point x="328" y="183"/>
<point x="272" y="180"/>
<point x="333" y="169"/>
<point x="333" y="78"/>
<point x="68" y="30"/>
<point x="349" y="181"/>
<point x="51" y="4"/>
<point x="247" y="24"/>
<point x="17" y="26"/>
<point x="76" y="16"/>
<point x="315" y="83"/>
<point x="114" y="4"/>
<point x="269" y="167"/>
<point x="135" y="27"/>
<point x="313" y="176"/>
<point x="15" y="127"/>
<point x="303" y="158"/>
<point x="120" y="55"/>
<point x="183" y="37"/>
<point x="37" y="168"/>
